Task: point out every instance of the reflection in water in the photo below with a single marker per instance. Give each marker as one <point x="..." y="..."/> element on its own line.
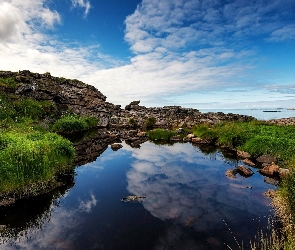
<point x="187" y="198"/>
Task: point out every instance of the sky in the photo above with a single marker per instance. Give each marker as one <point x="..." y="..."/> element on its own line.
<point x="193" y="53"/>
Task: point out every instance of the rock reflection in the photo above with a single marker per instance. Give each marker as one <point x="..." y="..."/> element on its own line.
<point x="183" y="186"/>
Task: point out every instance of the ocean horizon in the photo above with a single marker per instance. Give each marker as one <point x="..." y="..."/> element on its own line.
<point x="258" y="113"/>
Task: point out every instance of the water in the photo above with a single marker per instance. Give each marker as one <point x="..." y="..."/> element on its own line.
<point x="257" y="113"/>
<point x="188" y="200"/>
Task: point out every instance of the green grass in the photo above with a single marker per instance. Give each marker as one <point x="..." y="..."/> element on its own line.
<point x="73" y="123"/>
<point x="257" y="138"/>
<point x="150" y="122"/>
<point x="160" y="134"/>
<point x="31" y="158"/>
<point x="8" y="82"/>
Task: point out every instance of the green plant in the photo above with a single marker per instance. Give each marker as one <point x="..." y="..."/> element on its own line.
<point x="150" y="122"/>
<point x="160" y="134"/>
<point x="31" y="158"/>
<point x="8" y="82"/>
<point x="70" y="124"/>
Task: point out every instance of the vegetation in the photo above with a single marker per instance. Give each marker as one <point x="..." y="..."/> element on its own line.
<point x="31" y="158"/>
<point x="30" y="155"/>
<point x="73" y="123"/>
<point x="260" y="138"/>
<point x="160" y="134"/>
<point x="150" y="122"/>
<point x="8" y="82"/>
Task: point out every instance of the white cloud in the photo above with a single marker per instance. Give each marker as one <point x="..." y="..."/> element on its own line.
<point x="82" y="4"/>
<point x="180" y="47"/>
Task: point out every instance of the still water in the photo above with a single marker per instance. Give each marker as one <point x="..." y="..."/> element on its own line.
<point x="188" y="201"/>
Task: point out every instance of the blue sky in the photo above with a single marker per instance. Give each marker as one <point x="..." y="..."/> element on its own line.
<point x="194" y="53"/>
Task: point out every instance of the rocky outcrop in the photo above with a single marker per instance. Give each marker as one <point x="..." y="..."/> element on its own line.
<point x="79" y="98"/>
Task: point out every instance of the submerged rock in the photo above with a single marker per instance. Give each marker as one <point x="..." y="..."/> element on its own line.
<point x="231" y="173"/>
<point x="133" y="198"/>
<point x="248" y="162"/>
<point x="243" y="154"/>
<point x="244" y="171"/>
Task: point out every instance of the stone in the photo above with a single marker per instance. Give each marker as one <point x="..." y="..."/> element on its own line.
<point x="266" y="159"/>
<point x="270" y="170"/>
<point x="190" y="136"/>
<point x="271" y="181"/>
<point x="248" y="162"/>
<point x="244" y="171"/>
<point x="116" y="146"/>
<point x="231" y="173"/>
<point x="176" y="138"/>
<point x="243" y="154"/>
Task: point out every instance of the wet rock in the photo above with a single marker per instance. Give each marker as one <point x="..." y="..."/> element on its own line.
<point x="243" y="154"/>
<point x="176" y="138"/>
<point x="116" y="146"/>
<point x="248" y="162"/>
<point x="133" y="198"/>
<point x="266" y="159"/>
<point x="244" y="171"/>
<point x="271" y="181"/>
<point x="231" y="173"/>
<point x="270" y="170"/>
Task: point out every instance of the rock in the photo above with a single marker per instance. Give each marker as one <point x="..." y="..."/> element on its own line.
<point x="244" y="171"/>
<point x="133" y="198"/>
<point x="271" y="181"/>
<point x="190" y="136"/>
<point x="283" y="172"/>
<point x="270" y="170"/>
<point x="248" y="162"/>
<point x="266" y="159"/>
<point x="141" y="134"/>
<point x="231" y="173"/>
<point x="116" y="146"/>
<point x="270" y="193"/>
<point x="2" y="228"/>
<point x="176" y="138"/>
<point x="243" y="154"/>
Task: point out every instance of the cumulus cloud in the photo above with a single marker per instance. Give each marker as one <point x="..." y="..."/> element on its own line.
<point x="82" y="4"/>
<point x="188" y="188"/>
<point x="179" y="47"/>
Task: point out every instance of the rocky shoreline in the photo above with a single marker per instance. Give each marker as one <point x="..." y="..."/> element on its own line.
<point x="115" y="124"/>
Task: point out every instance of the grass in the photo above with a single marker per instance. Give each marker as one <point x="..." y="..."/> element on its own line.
<point x="73" y="123"/>
<point x="8" y="82"/>
<point x="160" y="134"/>
<point x="31" y="158"/>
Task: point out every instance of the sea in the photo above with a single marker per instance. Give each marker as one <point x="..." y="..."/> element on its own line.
<point x="260" y="114"/>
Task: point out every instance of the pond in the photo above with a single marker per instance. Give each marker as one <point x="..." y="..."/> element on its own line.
<point x="189" y="204"/>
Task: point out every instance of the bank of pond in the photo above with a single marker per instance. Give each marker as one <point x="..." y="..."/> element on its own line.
<point x="188" y="194"/>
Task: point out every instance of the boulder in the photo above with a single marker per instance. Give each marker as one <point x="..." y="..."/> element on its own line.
<point x="243" y="154"/>
<point x="244" y="171"/>
<point x="248" y="162"/>
<point x="176" y="138"/>
<point x="270" y="170"/>
<point x="231" y="173"/>
<point x="116" y="146"/>
<point x="271" y="181"/>
<point x="266" y="159"/>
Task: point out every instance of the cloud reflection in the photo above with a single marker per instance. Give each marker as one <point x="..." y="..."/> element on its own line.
<point x="182" y="185"/>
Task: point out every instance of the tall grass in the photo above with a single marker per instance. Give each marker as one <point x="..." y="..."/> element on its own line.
<point x="257" y="138"/>
<point x="73" y="123"/>
<point x="160" y="134"/>
<point x="31" y="158"/>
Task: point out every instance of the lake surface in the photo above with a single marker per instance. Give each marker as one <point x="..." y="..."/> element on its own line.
<point x="188" y="201"/>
